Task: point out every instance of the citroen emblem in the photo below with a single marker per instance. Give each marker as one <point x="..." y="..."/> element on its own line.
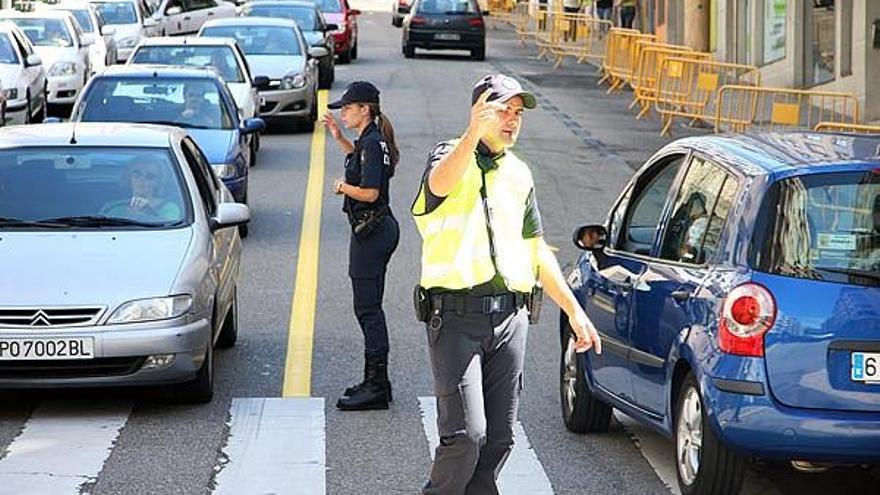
<point x="40" y="319"/>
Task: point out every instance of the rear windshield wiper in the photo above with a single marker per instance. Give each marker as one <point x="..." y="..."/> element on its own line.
<point x="17" y="222"/>
<point x="855" y="272"/>
<point x="101" y="221"/>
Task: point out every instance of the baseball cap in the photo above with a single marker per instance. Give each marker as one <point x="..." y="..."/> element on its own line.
<point x="503" y="89"/>
<point x="357" y="92"/>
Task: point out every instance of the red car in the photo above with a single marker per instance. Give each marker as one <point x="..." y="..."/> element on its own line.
<point x="345" y="37"/>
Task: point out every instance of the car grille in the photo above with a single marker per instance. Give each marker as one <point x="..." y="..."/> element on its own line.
<point x="48" y="317"/>
<point x="70" y="368"/>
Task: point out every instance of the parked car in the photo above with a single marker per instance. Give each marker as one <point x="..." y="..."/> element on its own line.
<point x="114" y="294"/>
<point x="399" y="9"/>
<point x="736" y="287"/>
<point x="310" y="21"/>
<point x="103" y="51"/>
<point x="221" y="54"/>
<point x="23" y="77"/>
<point x="276" y="49"/>
<point x="187" y="16"/>
<point x="62" y="47"/>
<point x="130" y="22"/>
<point x="445" y="25"/>
<point x="194" y="99"/>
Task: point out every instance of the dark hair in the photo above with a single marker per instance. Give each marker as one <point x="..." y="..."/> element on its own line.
<point x="387" y="134"/>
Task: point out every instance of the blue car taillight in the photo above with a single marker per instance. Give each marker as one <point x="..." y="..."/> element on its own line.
<point x="747" y="313"/>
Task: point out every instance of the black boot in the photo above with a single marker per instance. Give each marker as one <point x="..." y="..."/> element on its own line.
<point x="354" y="388"/>
<point x="374" y="392"/>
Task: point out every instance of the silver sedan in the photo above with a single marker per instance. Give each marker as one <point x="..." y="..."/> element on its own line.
<point x="120" y="258"/>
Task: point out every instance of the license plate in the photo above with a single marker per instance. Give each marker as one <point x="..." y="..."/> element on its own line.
<point x="447" y="37"/>
<point x="866" y="367"/>
<point x="47" y="348"/>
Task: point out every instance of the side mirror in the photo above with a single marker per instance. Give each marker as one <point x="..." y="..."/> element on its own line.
<point x="261" y="82"/>
<point x="33" y="59"/>
<point x="330" y="27"/>
<point x="590" y="237"/>
<point x="52" y="120"/>
<point x="230" y="215"/>
<point x="151" y="23"/>
<point x="252" y="126"/>
<point x="108" y="30"/>
<point x="173" y="10"/>
<point x="318" y="52"/>
<point x="87" y="39"/>
<point x="354" y="12"/>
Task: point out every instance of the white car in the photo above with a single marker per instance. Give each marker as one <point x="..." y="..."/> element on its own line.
<point x="103" y="51"/>
<point x="130" y="22"/>
<point x="187" y="16"/>
<point x="63" y="48"/>
<point x="23" y="77"/>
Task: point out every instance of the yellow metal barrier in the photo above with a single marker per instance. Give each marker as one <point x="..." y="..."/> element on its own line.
<point x="688" y="88"/>
<point x="580" y="36"/>
<point x="501" y="12"/>
<point x="651" y="57"/>
<point x="532" y="24"/>
<point x="742" y="108"/>
<point x="841" y="127"/>
<point x="619" y="61"/>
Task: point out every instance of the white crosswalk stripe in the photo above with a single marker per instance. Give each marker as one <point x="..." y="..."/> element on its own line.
<point x="276" y="446"/>
<point x="62" y="447"/>
<point x="523" y="472"/>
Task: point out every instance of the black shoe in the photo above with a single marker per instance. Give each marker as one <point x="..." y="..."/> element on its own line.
<point x="374" y="393"/>
<point x="354" y="388"/>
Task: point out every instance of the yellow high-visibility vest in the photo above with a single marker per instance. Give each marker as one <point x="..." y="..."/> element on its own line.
<point x="456" y="248"/>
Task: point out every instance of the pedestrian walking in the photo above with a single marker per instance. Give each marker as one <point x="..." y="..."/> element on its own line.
<point x="603" y="9"/>
<point x="482" y="255"/>
<point x="627" y="10"/>
<point x="369" y="167"/>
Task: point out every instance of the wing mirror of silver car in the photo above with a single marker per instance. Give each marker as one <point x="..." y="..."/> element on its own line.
<point x="34" y="59"/>
<point x="87" y="39"/>
<point x="230" y="215"/>
<point x="318" y="52"/>
<point x="253" y="126"/>
<point x="591" y="237"/>
<point x="261" y="82"/>
<point x="108" y="30"/>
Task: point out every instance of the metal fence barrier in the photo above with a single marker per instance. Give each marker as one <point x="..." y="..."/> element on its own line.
<point x="841" y="127"/>
<point x="647" y="73"/>
<point x="579" y="36"/>
<point x="746" y="108"/>
<point x="620" y="59"/>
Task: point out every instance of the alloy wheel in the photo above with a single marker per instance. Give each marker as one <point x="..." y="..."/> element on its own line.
<point x="690" y="436"/>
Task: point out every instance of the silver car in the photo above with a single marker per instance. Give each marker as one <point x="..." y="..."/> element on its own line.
<point x="277" y="50"/>
<point x="120" y="258"/>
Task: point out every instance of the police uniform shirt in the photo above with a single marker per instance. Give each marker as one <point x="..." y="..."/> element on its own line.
<point x="369" y="167"/>
<point x="532" y="224"/>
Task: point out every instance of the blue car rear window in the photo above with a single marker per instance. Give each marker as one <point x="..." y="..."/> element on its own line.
<point x="822" y="227"/>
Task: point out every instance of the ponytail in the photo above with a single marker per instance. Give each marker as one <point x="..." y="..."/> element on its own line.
<point x="387" y="134"/>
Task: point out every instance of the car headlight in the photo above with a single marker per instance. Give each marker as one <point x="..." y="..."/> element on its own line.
<point x="224" y="170"/>
<point x="294" y="81"/>
<point x="158" y="308"/>
<point x="127" y="42"/>
<point x="62" y="69"/>
<point x="10" y="94"/>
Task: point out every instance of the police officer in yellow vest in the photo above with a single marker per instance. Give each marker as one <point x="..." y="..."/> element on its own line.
<point x="482" y="255"/>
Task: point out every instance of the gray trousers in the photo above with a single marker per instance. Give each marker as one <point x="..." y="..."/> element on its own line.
<point x="478" y="362"/>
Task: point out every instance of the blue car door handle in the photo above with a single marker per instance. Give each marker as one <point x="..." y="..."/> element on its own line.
<point x="680" y="295"/>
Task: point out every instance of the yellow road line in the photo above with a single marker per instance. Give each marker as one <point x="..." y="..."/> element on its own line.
<point x="298" y="364"/>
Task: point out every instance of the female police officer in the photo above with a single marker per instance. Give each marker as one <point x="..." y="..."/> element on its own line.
<point x="369" y="166"/>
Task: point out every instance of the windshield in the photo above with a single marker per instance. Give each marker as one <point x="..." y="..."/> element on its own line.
<point x="305" y="17"/>
<point x="187" y="103"/>
<point x="8" y="54"/>
<point x="446" y="7"/>
<point x="45" y="32"/>
<point x="332" y="6"/>
<point x="90" y="187"/>
<point x="221" y="58"/>
<point x="259" y="40"/>
<point x="117" y="12"/>
<point x="825" y="227"/>
<point x="84" y="19"/>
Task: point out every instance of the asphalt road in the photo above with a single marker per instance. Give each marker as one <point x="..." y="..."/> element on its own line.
<point x="582" y="146"/>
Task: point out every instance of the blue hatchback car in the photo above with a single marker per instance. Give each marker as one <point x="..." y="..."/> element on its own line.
<point x="194" y="99"/>
<point x="736" y="285"/>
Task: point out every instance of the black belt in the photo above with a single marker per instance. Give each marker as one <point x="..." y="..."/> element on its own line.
<point x="462" y="303"/>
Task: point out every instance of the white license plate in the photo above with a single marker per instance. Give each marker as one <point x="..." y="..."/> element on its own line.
<point x="47" y="348"/>
<point x="447" y="37"/>
<point x="866" y="367"/>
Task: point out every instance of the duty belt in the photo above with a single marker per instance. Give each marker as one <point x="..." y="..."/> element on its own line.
<point x="461" y="303"/>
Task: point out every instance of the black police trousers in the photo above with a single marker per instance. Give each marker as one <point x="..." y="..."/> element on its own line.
<point x="367" y="263"/>
<point x="478" y="363"/>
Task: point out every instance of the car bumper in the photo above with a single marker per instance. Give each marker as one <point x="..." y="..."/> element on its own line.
<point x="64" y="89"/>
<point x="128" y="345"/>
<point x="757" y="425"/>
<point x="15" y="112"/>
<point x="428" y="40"/>
<point x="286" y="103"/>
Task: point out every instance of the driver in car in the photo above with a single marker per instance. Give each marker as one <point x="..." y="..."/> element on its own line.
<point x="146" y="182"/>
<point x="197" y="110"/>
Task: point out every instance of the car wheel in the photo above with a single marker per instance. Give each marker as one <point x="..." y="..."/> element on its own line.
<point x="253" y="151"/>
<point x="345" y="57"/>
<point x="44" y="109"/>
<point x="704" y="465"/>
<point x="325" y="79"/>
<point x="28" y="117"/>
<point x="229" y="332"/>
<point x="581" y="411"/>
<point x="257" y="142"/>
<point x="478" y="53"/>
<point x="354" y="51"/>
<point x="409" y="51"/>
<point x="201" y="389"/>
